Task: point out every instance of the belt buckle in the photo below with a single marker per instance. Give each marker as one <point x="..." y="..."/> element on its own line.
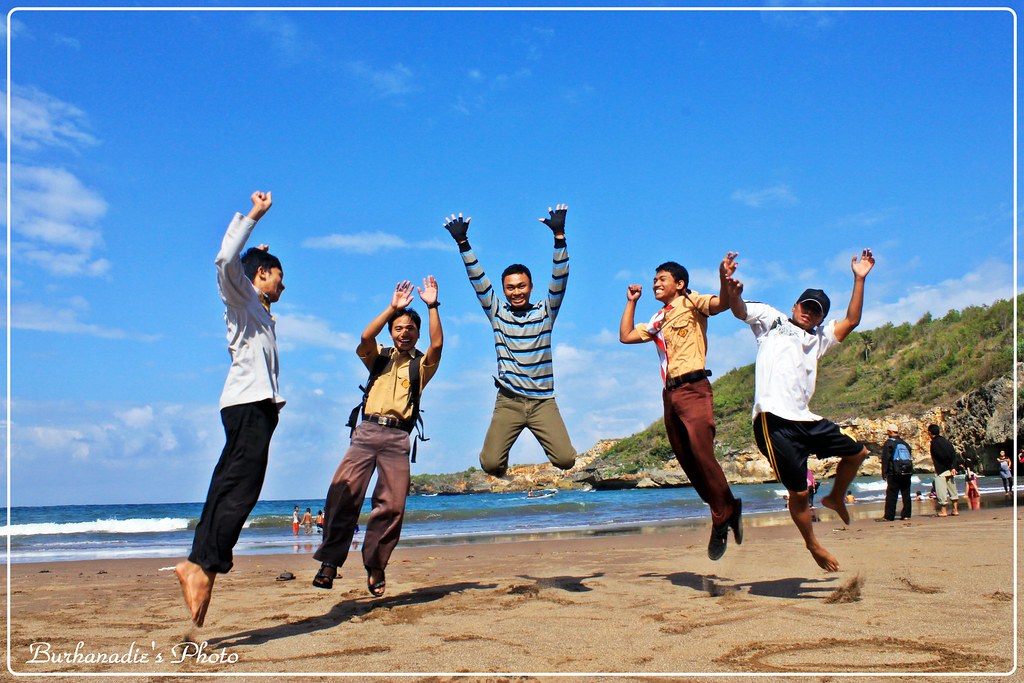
<point x="381" y="420"/>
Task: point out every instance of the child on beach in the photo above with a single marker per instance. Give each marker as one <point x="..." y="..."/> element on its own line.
<point x="381" y="440"/>
<point x="249" y="405"/>
<point x="785" y="373"/>
<point x="679" y="331"/>
<point x="522" y="341"/>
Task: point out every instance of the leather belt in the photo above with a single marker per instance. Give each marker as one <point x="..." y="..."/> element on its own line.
<point x="385" y="421"/>
<point x="688" y="378"/>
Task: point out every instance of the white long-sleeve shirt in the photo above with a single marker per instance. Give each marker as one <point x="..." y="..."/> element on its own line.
<point x="252" y="340"/>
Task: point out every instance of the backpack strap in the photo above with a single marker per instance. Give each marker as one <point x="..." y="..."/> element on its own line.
<point x="416" y="421"/>
<point x="376" y="370"/>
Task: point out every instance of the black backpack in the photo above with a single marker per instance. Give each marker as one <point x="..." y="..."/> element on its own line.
<point x="414" y="422"/>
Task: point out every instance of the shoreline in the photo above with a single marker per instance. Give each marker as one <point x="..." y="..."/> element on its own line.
<point x="644" y="603"/>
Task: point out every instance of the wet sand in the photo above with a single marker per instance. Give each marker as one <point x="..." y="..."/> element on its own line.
<point x="925" y="596"/>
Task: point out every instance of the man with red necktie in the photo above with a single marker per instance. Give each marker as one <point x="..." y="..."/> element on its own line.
<point x="679" y="331"/>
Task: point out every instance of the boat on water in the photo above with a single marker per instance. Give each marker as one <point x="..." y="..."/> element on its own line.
<point x="541" y="493"/>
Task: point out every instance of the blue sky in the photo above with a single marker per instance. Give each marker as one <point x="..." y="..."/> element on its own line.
<point x="794" y="138"/>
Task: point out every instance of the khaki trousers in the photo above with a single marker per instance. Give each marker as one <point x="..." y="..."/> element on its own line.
<point x="385" y="449"/>
<point x="514" y="414"/>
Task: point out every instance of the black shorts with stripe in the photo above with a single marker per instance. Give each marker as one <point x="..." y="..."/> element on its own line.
<point x="787" y="444"/>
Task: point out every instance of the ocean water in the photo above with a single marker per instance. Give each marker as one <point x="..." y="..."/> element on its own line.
<point x="81" y="532"/>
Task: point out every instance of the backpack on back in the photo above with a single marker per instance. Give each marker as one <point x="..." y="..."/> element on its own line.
<point x="901" y="461"/>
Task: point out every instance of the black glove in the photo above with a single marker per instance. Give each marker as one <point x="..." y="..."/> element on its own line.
<point x="457" y="227"/>
<point x="556" y="219"/>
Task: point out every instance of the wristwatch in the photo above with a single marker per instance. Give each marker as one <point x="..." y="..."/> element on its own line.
<point x="434" y="305"/>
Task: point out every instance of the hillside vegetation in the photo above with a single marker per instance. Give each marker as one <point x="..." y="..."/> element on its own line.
<point x="906" y="368"/>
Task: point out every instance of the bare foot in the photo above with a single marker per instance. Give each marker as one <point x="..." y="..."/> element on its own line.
<point x="824" y="558"/>
<point x="196" y="587"/>
<point x="941" y="513"/>
<point x="837" y="506"/>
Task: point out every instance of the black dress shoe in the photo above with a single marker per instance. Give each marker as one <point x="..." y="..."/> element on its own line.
<point x="719" y="539"/>
<point x="736" y="522"/>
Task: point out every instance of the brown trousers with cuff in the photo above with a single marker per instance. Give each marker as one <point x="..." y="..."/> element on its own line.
<point x="385" y="449"/>
<point x="690" y="425"/>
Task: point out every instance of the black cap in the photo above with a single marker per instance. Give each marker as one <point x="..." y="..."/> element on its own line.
<point x="817" y="296"/>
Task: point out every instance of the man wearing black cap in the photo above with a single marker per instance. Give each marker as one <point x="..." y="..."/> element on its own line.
<point x="785" y="372"/>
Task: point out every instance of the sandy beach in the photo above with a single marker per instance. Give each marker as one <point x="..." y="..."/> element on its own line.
<point x="924" y="596"/>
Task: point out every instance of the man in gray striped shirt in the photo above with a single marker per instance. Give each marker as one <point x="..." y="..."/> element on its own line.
<point x="522" y="342"/>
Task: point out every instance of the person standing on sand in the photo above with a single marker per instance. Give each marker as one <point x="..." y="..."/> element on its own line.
<point x="679" y="331"/>
<point x="1005" y="472"/>
<point x="522" y="342"/>
<point x="295" y="520"/>
<point x="785" y="374"/>
<point x="381" y="440"/>
<point x="945" y="460"/>
<point x="307" y="521"/>
<point x="249" y="405"/>
<point x="897" y="470"/>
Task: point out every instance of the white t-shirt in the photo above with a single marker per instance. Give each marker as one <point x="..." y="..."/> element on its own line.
<point x="787" y="362"/>
<point x="252" y="340"/>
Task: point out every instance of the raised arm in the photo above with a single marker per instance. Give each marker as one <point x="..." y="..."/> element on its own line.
<point x="627" y="325"/>
<point x="235" y="288"/>
<point x="457" y="227"/>
<point x="735" y="294"/>
<point x="560" y="258"/>
<point x="725" y="271"/>
<point x="428" y="294"/>
<point x="861" y="266"/>
<point x="400" y="298"/>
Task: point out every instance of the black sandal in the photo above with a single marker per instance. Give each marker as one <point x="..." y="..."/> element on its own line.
<point x="326" y="576"/>
<point x="376" y="588"/>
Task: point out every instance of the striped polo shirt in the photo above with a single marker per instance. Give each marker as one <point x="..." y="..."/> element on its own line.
<point x="522" y="339"/>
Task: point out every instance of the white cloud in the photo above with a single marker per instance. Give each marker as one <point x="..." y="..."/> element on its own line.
<point x="300" y="330"/>
<point x="54" y="214"/>
<point x="369" y="242"/>
<point x="40" y="120"/>
<point x="284" y="36"/>
<point x="389" y="82"/>
<point x="776" y="195"/>
<point x="66" y="319"/>
<point x="988" y="283"/>
<point x="136" y="417"/>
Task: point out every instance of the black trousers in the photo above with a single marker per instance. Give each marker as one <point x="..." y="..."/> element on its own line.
<point x="897" y="485"/>
<point x="236" y="483"/>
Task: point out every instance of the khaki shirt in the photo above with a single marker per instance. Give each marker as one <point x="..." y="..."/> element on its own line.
<point x="685" y="330"/>
<point x="389" y="395"/>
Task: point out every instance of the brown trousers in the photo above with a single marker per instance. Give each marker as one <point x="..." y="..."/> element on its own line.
<point x="690" y="424"/>
<point x="385" y="449"/>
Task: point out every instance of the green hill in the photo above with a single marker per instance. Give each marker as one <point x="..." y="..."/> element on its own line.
<point x="891" y="369"/>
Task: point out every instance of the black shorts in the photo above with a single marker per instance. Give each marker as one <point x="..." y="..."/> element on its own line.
<point x="787" y="444"/>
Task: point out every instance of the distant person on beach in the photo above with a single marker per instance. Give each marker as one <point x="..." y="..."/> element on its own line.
<point x="1005" y="473"/>
<point x="945" y="461"/>
<point x="307" y="521"/>
<point x="522" y="342"/>
<point x="971" y="488"/>
<point x="249" y="405"/>
<point x="295" y="520"/>
<point x="679" y="333"/>
<point x="897" y="470"/>
<point x="381" y="440"/>
<point x="319" y="521"/>
<point x="785" y="374"/>
<point x="812" y="487"/>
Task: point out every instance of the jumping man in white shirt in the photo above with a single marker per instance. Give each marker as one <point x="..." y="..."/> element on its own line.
<point x="785" y="373"/>
<point x="249" y="404"/>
